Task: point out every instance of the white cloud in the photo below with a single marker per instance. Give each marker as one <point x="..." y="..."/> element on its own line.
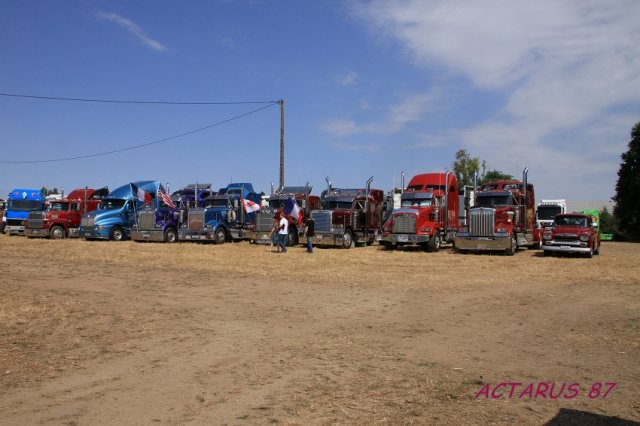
<point x="133" y="28"/>
<point x="349" y="79"/>
<point x="564" y="67"/>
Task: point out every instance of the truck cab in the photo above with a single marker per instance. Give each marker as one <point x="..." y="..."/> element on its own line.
<point x="21" y="202"/>
<point x="116" y="213"/>
<point x="348" y="216"/>
<point x="428" y="213"/>
<point x="572" y="233"/>
<point x="276" y="206"/>
<point x="62" y="216"/>
<point x="502" y="218"/>
<point x="222" y="217"/>
<point x="160" y="222"/>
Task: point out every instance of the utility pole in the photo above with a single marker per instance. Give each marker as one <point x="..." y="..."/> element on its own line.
<point x="281" y="102"/>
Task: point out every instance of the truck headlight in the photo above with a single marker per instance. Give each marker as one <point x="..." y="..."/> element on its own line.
<point x="584" y="237"/>
<point x="425" y="229"/>
<point x="547" y="236"/>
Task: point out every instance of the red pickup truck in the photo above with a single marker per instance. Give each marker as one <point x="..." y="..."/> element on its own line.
<point x="572" y="233"/>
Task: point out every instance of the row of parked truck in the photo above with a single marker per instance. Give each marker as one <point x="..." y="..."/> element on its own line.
<point x="429" y="211"/>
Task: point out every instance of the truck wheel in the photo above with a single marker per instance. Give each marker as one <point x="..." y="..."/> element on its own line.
<point x="434" y="243"/>
<point x="221" y="236"/>
<point x="292" y="237"/>
<point x="170" y="235"/>
<point x="514" y="246"/>
<point x="597" y="251"/>
<point x="347" y="239"/>
<point x="56" y="233"/>
<point x="117" y="233"/>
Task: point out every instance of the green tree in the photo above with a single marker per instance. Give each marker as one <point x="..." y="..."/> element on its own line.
<point x="464" y="166"/>
<point x="496" y="175"/>
<point x="627" y="198"/>
<point x="607" y="222"/>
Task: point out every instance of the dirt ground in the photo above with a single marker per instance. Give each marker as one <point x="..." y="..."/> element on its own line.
<point x="129" y="333"/>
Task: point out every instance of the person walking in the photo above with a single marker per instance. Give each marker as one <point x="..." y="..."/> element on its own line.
<point x="309" y="233"/>
<point x="283" y="230"/>
<point x="273" y="235"/>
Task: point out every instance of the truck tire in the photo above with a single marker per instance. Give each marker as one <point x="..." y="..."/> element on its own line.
<point x="170" y="235"/>
<point x="597" y="251"/>
<point x="514" y="246"/>
<point x="347" y="240"/>
<point x="117" y="234"/>
<point x="434" y="243"/>
<point x="292" y="237"/>
<point x="56" y="232"/>
<point x="547" y="253"/>
<point x="220" y="236"/>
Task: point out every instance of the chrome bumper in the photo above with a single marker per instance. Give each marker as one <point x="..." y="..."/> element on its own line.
<point x="480" y="243"/>
<point x="14" y="230"/>
<point x="157" y="236"/>
<point x="564" y="248"/>
<point x="36" y="232"/>
<point x="405" y="238"/>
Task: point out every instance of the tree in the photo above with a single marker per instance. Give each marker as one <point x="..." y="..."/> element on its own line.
<point x="496" y="175"/>
<point x="627" y="198"/>
<point x="607" y="222"/>
<point x="464" y="166"/>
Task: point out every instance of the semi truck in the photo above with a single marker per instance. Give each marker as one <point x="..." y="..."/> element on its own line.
<point x="161" y="221"/>
<point x="348" y="217"/>
<point x="547" y="210"/>
<point x="276" y="206"/>
<point x="502" y="218"/>
<point x="428" y="213"/>
<point x="222" y="217"/>
<point x="20" y="203"/>
<point x="116" y="214"/>
<point x="62" y="216"/>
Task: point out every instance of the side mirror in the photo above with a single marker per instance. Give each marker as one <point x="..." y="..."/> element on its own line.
<point x="594" y="224"/>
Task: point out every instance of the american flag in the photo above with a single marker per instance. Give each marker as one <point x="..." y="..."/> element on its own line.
<point x="164" y="196"/>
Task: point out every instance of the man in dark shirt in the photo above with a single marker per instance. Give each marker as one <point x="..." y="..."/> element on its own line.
<point x="310" y="232"/>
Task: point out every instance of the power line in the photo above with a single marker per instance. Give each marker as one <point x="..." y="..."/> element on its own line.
<point x="144" y="144"/>
<point x="115" y="101"/>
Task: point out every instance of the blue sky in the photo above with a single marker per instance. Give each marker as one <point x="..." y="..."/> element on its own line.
<point x="371" y="88"/>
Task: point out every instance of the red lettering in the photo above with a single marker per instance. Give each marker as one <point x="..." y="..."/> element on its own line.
<point x="611" y="386"/>
<point x="493" y="394"/>
<point x="513" y="388"/>
<point x="553" y="385"/>
<point x="542" y="389"/>
<point x="527" y="391"/>
<point x="573" y="391"/>
<point x="484" y="391"/>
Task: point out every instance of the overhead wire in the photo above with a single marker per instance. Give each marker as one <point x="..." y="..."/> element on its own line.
<point x="116" y="101"/>
<point x="78" y="157"/>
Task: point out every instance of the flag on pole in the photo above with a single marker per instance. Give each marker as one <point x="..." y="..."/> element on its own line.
<point x="164" y="197"/>
<point x="250" y="206"/>
<point x="140" y="194"/>
<point x="291" y="208"/>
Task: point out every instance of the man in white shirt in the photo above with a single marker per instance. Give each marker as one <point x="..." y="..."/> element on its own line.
<point x="283" y="230"/>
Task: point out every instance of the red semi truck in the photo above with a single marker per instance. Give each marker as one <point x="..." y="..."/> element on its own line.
<point x="502" y="219"/>
<point x="348" y="216"/>
<point x="62" y="217"/>
<point x="428" y="213"/>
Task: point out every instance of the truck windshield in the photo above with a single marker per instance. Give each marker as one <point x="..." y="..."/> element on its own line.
<point x="572" y="221"/>
<point x="25" y="205"/>
<point x="112" y="203"/>
<point x="58" y="207"/>
<point x="548" y="212"/>
<point x="417" y="202"/>
<point x="336" y="204"/>
<point x="492" y="200"/>
<point x="218" y="203"/>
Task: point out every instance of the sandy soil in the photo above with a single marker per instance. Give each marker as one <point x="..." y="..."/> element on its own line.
<point x="128" y="333"/>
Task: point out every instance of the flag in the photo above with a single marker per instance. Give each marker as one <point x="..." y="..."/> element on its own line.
<point x="250" y="206"/>
<point x="164" y="197"/>
<point x="291" y="207"/>
<point x="140" y="194"/>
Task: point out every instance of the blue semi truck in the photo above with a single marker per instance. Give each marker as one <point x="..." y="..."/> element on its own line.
<point x="116" y="215"/>
<point x="160" y="222"/>
<point x="19" y="204"/>
<point x="222" y="216"/>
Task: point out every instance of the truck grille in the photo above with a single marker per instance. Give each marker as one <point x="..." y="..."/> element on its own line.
<point x="322" y="219"/>
<point x="35" y="220"/>
<point x="264" y="221"/>
<point x="565" y="237"/>
<point x="15" y="222"/>
<point x="482" y="222"/>
<point x="404" y="224"/>
<point x="87" y="222"/>
<point x="195" y="222"/>
<point x="147" y="220"/>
